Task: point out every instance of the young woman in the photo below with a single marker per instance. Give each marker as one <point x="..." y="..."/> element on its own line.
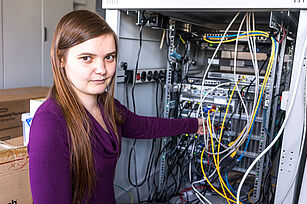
<point x="75" y="137"/>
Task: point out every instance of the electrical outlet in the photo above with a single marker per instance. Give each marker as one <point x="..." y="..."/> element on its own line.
<point x="146" y="75"/>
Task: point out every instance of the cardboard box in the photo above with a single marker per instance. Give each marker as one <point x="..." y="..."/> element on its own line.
<point x="10" y="133"/>
<point x="35" y="104"/>
<point x="14" y="102"/>
<point x="242" y="55"/>
<point x="14" y="174"/>
<point x="17" y="141"/>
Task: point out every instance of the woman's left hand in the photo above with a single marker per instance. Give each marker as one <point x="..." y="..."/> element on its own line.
<point x="200" y="129"/>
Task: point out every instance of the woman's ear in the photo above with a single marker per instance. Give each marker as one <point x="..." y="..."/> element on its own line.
<point x="62" y="65"/>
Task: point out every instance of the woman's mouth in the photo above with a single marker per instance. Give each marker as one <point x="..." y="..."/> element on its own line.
<point x="98" y="82"/>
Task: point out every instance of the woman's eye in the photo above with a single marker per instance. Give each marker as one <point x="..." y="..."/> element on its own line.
<point x="86" y="58"/>
<point x="110" y="58"/>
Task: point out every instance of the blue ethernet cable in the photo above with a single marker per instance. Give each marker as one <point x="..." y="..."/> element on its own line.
<point x="234" y="35"/>
<point x="230" y="187"/>
<point x="250" y="133"/>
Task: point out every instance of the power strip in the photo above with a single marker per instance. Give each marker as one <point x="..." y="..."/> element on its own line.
<point x="145" y="75"/>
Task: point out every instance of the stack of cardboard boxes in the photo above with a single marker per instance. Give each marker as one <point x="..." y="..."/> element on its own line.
<point x="13" y="103"/>
<point x="14" y="166"/>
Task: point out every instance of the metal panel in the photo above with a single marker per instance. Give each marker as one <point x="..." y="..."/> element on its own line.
<point x="151" y="57"/>
<point x="148" y="57"/>
<point x="268" y="96"/>
<point x="167" y="97"/>
<point x="130" y="31"/>
<point x="113" y="19"/>
<point x="1" y="50"/>
<point x="85" y="4"/>
<point x="201" y="4"/>
<point x="22" y="43"/>
<point x="52" y="11"/>
<point x="302" y="198"/>
<point x="293" y="129"/>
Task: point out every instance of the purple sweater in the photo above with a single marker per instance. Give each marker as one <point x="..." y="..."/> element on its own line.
<point x="49" y="156"/>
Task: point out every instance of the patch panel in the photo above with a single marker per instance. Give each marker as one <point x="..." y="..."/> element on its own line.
<point x="195" y="90"/>
<point x="258" y="38"/>
<point x="193" y="103"/>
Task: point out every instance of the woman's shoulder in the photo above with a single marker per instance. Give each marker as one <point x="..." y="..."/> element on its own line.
<point x="49" y="109"/>
<point x="48" y="128"/>
<point x="49" y="105"/>
<point x="119" y="106"/>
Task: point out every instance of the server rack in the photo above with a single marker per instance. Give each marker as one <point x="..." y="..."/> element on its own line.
<point x="182" y="12"/>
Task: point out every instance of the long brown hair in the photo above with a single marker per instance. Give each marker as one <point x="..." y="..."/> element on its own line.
<point x="74" y="28"/>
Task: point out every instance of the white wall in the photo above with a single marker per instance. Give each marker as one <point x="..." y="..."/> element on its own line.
<point x="52" y="13"/>
<point x="24" y="53"/>
<point x="1" y="48"/>
<point x="21" y="43"/>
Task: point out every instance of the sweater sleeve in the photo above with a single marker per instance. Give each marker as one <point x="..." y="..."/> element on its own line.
<point x="141" y="127"/>
<point x="49" y="160"/>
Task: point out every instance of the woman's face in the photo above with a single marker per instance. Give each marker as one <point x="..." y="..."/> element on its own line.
<point x="91" y="65"/>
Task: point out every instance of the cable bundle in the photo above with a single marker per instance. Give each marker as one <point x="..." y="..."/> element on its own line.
<point x="231" y="149"/>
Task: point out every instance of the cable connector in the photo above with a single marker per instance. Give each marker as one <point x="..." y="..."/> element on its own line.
<point x="128" y="78"/>
<point x="142" y="20"/>
<point x="228" y="164"/>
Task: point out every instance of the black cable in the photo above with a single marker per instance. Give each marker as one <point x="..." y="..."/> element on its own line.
<point x="151" y="197"/>
<point x="157" y="105"/>
<point x="151" y="157"/>
<point x="250" y="84"/>
<point x="134" y="111"/>
<point x="126" y="86"/>
<point x="176" y="155"/>
<point x="148" y="178"/>
<point x="135" y="171"/>
<point x="158" y="195"/>
<point x="239" y="120"/>
<point x="136" y="69"/>
<point x="178" y="164"/>
<point x="147" y="168"/>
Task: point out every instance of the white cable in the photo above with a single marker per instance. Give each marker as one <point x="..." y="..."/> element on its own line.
<point x="243" y="137"/>
<point x="200" y="109"/>
<point x="235" y="67"/>
<point x="245" y="133"/>
<point x="239" y="141"/>
<point x="210" y="62"/>
<point x="198" y="193"/>
<point x="215" y="136"/>
<point x="217" y="48"/>
<point x="252" y="50"/>
<point x="288" y="113"/>
<point x="255" y="52"/>
<point x="190" y="177"/>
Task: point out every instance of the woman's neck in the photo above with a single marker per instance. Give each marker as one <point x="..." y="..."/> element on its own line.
<point x="89" y="102"/>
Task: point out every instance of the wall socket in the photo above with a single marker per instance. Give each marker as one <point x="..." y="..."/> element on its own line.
<point x="145" y="75"/>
